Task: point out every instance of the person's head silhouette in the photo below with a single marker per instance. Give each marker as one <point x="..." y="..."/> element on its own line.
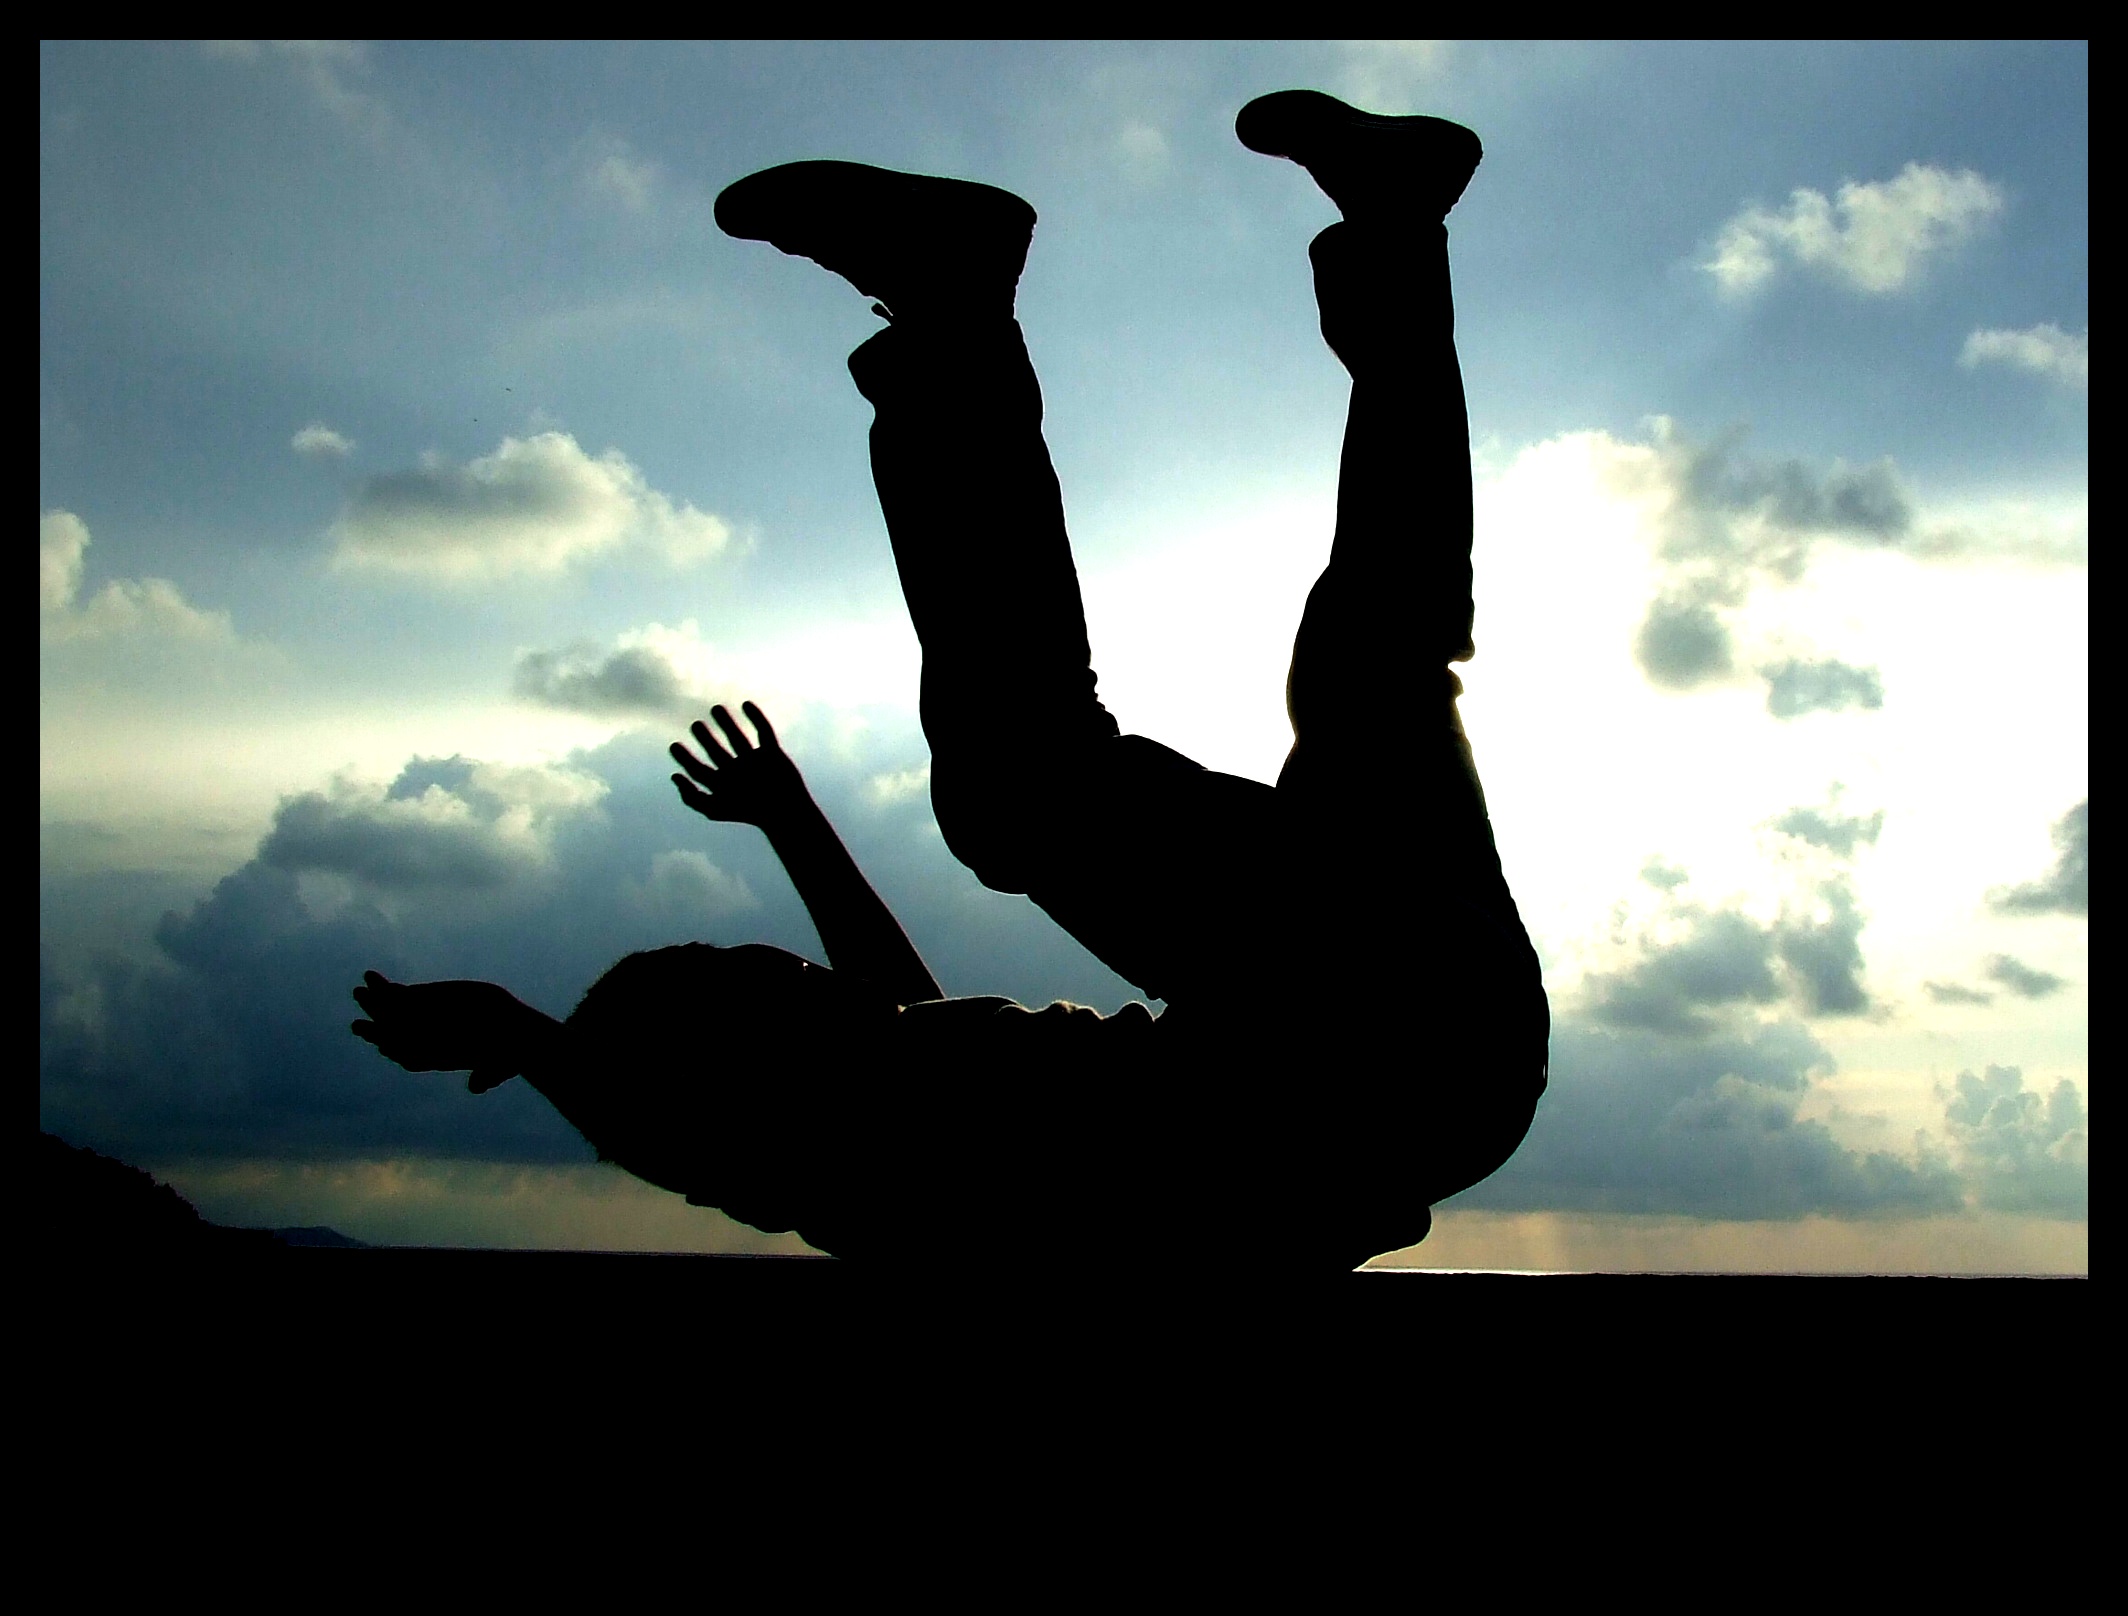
<point x="702" y="1061"/>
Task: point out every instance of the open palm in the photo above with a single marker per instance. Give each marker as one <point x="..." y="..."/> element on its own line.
<point x="740" y="781"/>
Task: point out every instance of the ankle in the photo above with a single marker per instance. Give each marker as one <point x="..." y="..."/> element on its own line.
<point x="969" y="309"/>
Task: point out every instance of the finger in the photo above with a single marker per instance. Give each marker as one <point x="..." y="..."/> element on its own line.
<point x="708" y="743"/>
<point x="730" y="726"/>
<point x="762" y="731"/>
<point x="364" y="1030"/>
<point x="693" y="765"/>
<point x="376" y="979"/>
<point x="700" y="801"/>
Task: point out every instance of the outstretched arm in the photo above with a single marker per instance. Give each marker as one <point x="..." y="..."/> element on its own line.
<point x="477" y="1027"/>
<point x="756" y="783"/>
<point x="631" y="1109"/>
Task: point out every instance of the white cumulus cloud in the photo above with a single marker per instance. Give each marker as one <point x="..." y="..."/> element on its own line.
<point x="2047" y="350"/>
<point x="537" y="505"/>
<point x="445" y="823"/>
<point x="123" y="607"/>
<point x="1872" y="236"/>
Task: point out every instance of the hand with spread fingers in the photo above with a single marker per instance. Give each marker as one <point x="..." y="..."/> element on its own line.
<point x="741" y="781"/>
<point x="476" y="1027"/>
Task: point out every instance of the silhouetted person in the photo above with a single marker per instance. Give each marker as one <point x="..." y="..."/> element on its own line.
<point x="1356" y="1027"/>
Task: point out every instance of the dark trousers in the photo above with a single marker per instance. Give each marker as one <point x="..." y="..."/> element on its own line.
<point x="1361" y="897"/>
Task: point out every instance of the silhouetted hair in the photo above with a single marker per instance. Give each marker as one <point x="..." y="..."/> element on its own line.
<point x="702" y="1064"/>
<point x="701" y="990"/>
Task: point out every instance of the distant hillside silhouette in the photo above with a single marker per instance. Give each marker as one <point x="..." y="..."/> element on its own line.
<point x="87" y="1203"/>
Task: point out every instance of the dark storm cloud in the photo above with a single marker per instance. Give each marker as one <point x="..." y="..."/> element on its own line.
<point x="1676" y="1081"/>
<point x="635" y="680"/>
<point x="1836" y="833"/>
<point x="1794" y="688"/>
<point x="233" y="1042"/>
<point x="2021" y="979"/>
<point x="1677" y="1086"/>
<point x="2022" y="1152"/>
<point x="1718" y="961"/>
<point x="1641" y="1121"/>
<point x="1824" y="956"/>
<point x="1723" y="959"/>
<point x="1683" y="644"/>
<point x="2065" y="889"/>
<point x="367" y="841"/>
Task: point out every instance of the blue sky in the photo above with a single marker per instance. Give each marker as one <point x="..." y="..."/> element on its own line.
<point x="415" y="458"/>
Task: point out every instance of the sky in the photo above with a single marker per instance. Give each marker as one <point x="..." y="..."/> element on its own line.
<point x="416" y="459"/>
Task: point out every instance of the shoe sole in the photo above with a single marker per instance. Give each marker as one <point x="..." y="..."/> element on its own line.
<point x="794" y="204"/>
<point x="1302" y="125"/>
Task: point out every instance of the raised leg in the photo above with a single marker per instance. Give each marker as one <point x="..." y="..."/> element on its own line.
<point x="1129" y="845"/>
<point x="1380" y="768"/>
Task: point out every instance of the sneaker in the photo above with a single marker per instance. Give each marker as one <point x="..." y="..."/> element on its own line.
<point x="1370" y="165"/>
<point x="913" y="241"/>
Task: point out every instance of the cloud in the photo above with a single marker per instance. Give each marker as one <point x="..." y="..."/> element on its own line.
<point x="1722" y="523"/>
<point x="1715" y="960"/>
<point x="2021" y="979"/>
<point x="1795" y="687"/>
<point x="2045" y="350"/>
<point x="1953" y="993"/>
<point x="537" y="506"/>
<point x="1836" y="833"/>
<point x="1663" y="877"/>
<point x="1722" y="505"/>
<point x="326" y="67"/>
<point x="1682" y="644"/>
<point x="1696" y="968"/>
<point x="445" y="823"/>
<point x="609" y="171"/>
<point x="318" y="439"/>
<point x="1388" y="75"/>
<point x="62" y="537"/>
<point x="1638" y="1120"/>
<point x="667" y="675"/>
<point x="2065" y="889"/>
<point x="1722" y="520"/>
<point x="1680" y="1082"/>
<point x="634" y="681"/>
<point x="124" y="609"/>
<point x="900" y="785"/>
<point x="684" y="887"/>
<point x="230" y="1041"/>
<point x="1870" y="237"/>
<point x="1821" y="946"/>
<point x="2021" y="1151"/>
